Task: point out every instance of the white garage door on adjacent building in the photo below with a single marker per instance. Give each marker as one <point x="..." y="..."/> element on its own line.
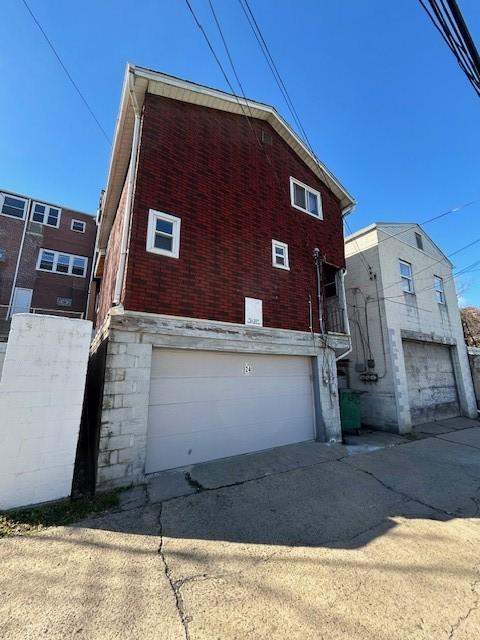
<point x="432" y="389"/>
<point x="206" y="405"/>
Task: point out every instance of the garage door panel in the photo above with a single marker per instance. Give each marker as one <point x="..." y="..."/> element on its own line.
<point x="203" y="406"/>
<point x="432" y="390"/>
<point x="172" y="418"/>
<point x="204" y="364"/>
<point x="168" y="391"/>
<point x="184" y="449"/>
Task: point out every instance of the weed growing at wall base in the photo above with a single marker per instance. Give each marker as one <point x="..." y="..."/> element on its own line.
<point x="63" y="513"/>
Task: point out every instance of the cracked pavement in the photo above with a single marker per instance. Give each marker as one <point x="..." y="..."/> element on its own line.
<point x="306" y="543"/>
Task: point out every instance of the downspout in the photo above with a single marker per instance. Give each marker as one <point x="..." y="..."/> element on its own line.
<point x="345" y="314"/>
<point x="129" y="197"/>
<point x="19" y="257"/>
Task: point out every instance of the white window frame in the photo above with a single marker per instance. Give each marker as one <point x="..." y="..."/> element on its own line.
<point x="11" y="195"/>
<point x="46" y="214"/>
<point x="153" y="216"/>
<point x="439" y="292"/>
<point x="82" y="230"/>
<point x="284" y="247"/>
<point x="56" y="255"/>
<point x="409" y="278"/>
<point x="294" y="181"/>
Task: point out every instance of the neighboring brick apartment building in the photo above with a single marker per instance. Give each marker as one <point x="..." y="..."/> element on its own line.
<point x="218" y="228"/>
<point x="45" y="257"/>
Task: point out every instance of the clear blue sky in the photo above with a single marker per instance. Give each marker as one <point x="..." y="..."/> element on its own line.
<point x="383" y="101"/>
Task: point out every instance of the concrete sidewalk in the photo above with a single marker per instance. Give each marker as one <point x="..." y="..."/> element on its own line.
<point x="379" y="545"/>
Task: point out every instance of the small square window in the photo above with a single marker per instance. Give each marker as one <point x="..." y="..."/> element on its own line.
<point x="163" y="235"/>
<point x="78" y="225"/>
<point x="280" y="255"/>
<point x="11" y="206"/>
<point x="305" y="198"/>
<point x="406" y="276"/>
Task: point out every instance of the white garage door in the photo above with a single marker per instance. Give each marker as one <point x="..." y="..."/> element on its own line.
<point x="206" y="405"/>
<point x="432" y="390"/>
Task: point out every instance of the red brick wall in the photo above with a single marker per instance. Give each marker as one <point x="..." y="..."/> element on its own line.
<point x="112" y="257"/>
<point x="47" y="287"/>
<point x="205" y="166"/>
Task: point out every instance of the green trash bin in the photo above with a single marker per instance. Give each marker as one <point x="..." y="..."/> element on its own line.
<point x="350" y="410"/>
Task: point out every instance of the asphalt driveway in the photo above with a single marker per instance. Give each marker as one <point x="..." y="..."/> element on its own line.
<point x="377" y="540"/>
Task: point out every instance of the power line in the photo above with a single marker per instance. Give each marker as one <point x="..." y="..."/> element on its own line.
<point x="67" y="73"/>
<point x="280" y="83"/>
<point x="227" y="80"/>
<point x="448" y="21"/>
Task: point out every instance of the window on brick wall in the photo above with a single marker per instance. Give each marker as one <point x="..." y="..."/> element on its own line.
<point x="280" y="255"/>
<point x="305" y="198"/>
<point x="78" y="225"/>
<point x="12" y="206"/>
<point x="163" y="235"/>
<point x="59" y="262"/>
<point x="45" y="214"/>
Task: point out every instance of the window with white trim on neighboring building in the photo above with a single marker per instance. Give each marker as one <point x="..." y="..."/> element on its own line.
<point x="78" y="225"/>
<point x="12" y="206"/>
<point x="305" y="198"/>
<point x="439" y="290"/>
<point x="60" y="262"/>
<point x="406" y="276"/>
<point x="280" y="255"/>
<point x="46" y="214"/>
<point x="163" y="235"/>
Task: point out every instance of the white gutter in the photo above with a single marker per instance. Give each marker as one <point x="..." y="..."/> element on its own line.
<point x="19" y="257"/>
<point x="130" y="187"/>
<point x="345" y="314"/>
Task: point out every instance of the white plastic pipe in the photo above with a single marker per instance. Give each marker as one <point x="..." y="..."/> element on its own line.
<point x="19" y="258"/>
<point x="345" y="314"/>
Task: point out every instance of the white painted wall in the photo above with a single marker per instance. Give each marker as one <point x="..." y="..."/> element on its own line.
<point x="3" y="349"/>
<point x="386" y="402"/>
<point x="41" y="396"/>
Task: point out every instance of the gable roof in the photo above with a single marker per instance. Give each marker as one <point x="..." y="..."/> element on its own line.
<point x="402" y="227"/>
<point x="141" y="81"/>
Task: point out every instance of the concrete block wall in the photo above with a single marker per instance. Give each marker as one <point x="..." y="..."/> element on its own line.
<point x="474" y="358"/>
<point x="123" y="428"/>
<point x="41" y="398"/>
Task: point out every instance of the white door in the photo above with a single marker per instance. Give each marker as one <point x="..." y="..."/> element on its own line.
<point x="206" y="405"/>
<point x="22" y="300"/>
<point x="432" y="388"/>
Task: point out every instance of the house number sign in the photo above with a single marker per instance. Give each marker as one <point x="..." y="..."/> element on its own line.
<point x="247" y="369"/>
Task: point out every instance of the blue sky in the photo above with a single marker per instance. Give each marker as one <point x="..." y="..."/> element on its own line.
<point x="383" y="101"/>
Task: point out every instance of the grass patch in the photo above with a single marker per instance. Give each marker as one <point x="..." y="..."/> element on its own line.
<point x="24" y="521"/>
<point x="410" y="436"/>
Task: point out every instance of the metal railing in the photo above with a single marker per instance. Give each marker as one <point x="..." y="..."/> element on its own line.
<point x="49" y="312"/>
<point x="335" y="319"/>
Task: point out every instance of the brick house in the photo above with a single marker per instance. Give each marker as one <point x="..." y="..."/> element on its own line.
<point x="46" y="256"/>
<point x="219" y="269"/>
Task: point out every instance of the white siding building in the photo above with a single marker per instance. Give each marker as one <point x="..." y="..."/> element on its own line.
<point x="409" y="357"/>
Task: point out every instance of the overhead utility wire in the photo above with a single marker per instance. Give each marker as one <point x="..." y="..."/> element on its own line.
<point x="227" y="80"/>
<point x="280" y="83"/>
<point x="67" y="72"/>
<point x="448" y="20"/>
